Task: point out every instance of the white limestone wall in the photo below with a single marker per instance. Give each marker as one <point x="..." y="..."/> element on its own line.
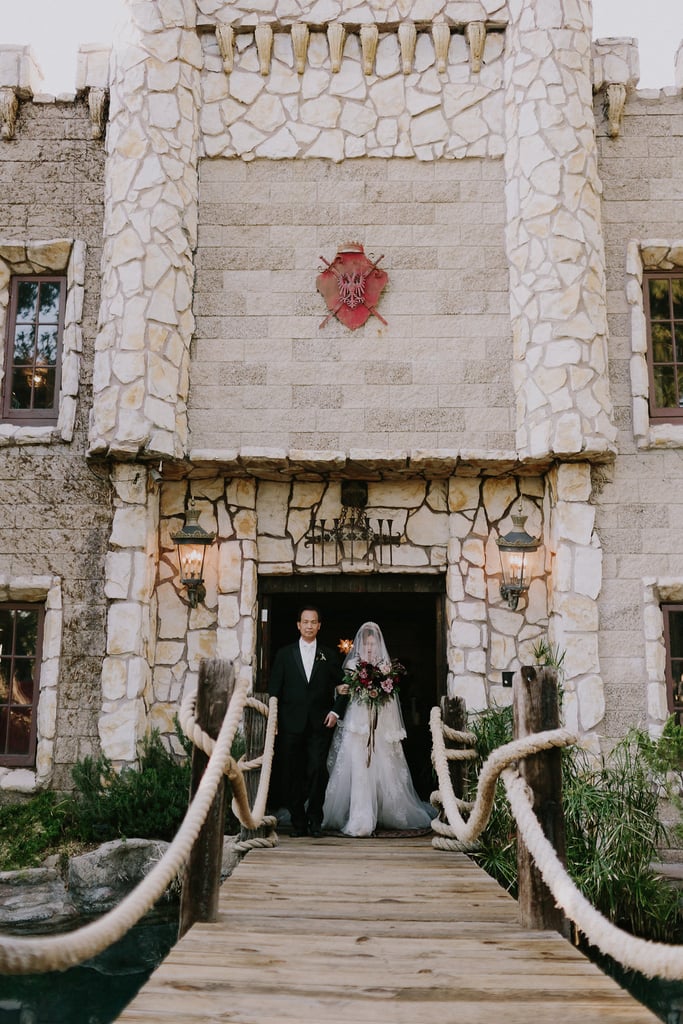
<point x="387" y="111"/>
<point x="150" y="230"/>
<point x="554" y="237"/>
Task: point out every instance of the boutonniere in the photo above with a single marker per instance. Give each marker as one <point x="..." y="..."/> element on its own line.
<point x="321" y="657"/>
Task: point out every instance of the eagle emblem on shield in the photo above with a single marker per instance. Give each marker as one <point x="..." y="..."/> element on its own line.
<point x="351" y="286"/>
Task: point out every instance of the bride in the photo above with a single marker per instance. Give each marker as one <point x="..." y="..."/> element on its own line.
<point x="370" y="783"/>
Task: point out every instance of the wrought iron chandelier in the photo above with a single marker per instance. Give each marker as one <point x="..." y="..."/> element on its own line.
<point x="352" y="534"/>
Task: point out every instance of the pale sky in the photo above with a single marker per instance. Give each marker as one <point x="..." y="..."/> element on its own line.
<point x="55" y="28"/>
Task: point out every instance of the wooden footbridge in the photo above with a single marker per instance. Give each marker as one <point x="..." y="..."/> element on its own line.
<point x="354" y="931"/>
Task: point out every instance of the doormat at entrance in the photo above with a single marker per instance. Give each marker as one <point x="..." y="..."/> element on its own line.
<point x="386" y="833"/>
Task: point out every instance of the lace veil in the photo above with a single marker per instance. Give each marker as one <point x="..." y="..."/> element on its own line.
<point x="368" y="645"/>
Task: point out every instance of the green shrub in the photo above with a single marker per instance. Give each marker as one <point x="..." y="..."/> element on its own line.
<point x="33" y="829"/>
<point x="613" y="832"/>
<point x="147" y="802"/>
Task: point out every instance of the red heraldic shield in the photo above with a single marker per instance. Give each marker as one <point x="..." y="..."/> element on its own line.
<point x="351" y="286"/>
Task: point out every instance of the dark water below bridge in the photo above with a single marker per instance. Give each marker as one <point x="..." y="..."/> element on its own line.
<point x="97" y="991"/>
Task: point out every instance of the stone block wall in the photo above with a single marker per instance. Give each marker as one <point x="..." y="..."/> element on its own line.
<point x="638" y="500"/>
<point x="265" y="373"/>
<point x="54" y="509"/>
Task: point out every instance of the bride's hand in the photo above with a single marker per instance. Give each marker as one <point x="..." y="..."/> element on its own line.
<point x="343" y="690"/>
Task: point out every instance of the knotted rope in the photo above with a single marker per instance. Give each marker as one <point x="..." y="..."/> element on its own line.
<point x="654" y="959"/>
<point x="456" y="833"/>
<point x="20" y="955"/>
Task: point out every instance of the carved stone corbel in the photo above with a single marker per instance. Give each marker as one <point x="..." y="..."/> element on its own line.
<point x="300" y="37"/>
<point x="407" y="38"/>
<point x="97" y="105"/>
<point x="441" y="35"/>
<point x="336" y="37"/>
<point x="9" y="105"/>
<point x="475" y="34"/>
<point x="225" y="37"/>
<point x="263" y="36"/>
<point x="615" y="95"/>
<point x="369" y="36"/>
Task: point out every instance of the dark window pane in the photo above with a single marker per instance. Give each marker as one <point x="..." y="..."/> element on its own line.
<point x="27" y="632"/>
<point x="677" y="293"/>
<point x="6" y="630"/>
<point x="24" y="345"/>
<point x="665" y="387"/>
<point x="677" y="673"/>
<point x="4" y="718"/>
<point x="47" y="346"/>
<point x="676" y="634"/>
<point x="49" y="302"/>
<point x="19" y="731"/>
<point x="679" y="343"/>
<point x="659" y="299"/>
<point x="4" y="680"/>
<point x="27" y="301"/>
<point x="662" y="343"/>
<point x="21" y="390"/>
<point x="22" y="683"/>
<point x="44" y="389"/>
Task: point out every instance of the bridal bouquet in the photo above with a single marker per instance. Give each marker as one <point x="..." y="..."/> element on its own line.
<point x="372" y="684"/>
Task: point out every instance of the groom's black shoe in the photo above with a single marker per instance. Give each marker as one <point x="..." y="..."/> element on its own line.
<point x="315" y="829"/>
<point x="297" y="831"/>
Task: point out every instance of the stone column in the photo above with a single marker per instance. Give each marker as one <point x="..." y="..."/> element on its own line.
<point x="577" y="582"/>
<point x="131" y="622"/>
<point x="150" y="228"/>
<point x="553" y="234"/>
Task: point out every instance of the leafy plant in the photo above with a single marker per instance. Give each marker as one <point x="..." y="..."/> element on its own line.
<point x="147" y="802"/>
<point x="33" y="829"/>
<point x="497" y="849"/>
<point x="613" y="832"/>
<point x="664" y="754"/>
<point x="549" y="655"/>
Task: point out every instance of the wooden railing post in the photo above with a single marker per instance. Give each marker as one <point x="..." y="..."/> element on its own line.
<point x="255" y="725"/>
<point x="535" y="709"/>
<point x="202" y="876"/>
<point x="454" y="714"/>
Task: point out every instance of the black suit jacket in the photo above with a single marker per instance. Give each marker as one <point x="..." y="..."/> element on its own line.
<point x="301" y="703"/>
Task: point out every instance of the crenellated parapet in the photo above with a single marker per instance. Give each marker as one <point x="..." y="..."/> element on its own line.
<point x="616" y="70"/>
<point x="92" y="79"/>
<point x="20" y="79"/>
<point x="554" y="237"/>
<point x="344" y="89"/>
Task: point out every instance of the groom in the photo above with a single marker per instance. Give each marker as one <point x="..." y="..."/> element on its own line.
<point x="303" y="679"/>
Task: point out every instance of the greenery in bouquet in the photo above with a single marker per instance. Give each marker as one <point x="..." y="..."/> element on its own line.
<point x="372" y="684"/>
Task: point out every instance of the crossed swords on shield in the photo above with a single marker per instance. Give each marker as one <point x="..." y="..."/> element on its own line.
<point x="351" y="285"/>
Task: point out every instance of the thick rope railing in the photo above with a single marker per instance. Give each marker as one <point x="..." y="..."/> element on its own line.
<point x="249" y="818"/>
<point x="21" y="955"/>
<point x="456" y="833"/>
<point x="653" y="959"/>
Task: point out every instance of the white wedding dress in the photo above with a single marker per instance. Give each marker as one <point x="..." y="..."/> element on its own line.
<point x="361" y="797"/>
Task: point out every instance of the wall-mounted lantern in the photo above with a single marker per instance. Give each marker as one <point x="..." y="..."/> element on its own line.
<point x="514" y="547"/>
<point x="192" y="542"/>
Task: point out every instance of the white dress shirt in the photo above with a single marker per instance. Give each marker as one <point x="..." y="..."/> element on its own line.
<point x="307" y="656"/>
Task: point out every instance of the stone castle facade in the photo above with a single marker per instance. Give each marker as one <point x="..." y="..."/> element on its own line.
<point x="518" y="187"/>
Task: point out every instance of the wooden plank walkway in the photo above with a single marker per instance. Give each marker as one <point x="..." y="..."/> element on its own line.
<point x="358" y="931"/>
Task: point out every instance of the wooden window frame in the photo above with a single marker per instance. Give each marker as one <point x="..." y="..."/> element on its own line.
<point x="28" y="759"/>
<point x="666" y="414"/>
<point x="675" y="707"/>
<point x="32" y="417"/>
